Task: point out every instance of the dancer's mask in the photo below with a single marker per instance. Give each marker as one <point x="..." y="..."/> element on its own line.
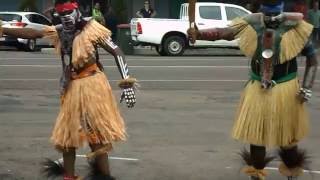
<point x="272" y="10"/>
<point x="69" y="14"/>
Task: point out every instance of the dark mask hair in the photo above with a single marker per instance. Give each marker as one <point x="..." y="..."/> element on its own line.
<point x="61" y="1"/>
<point x="271" y="24"/>
<point x="272" y="2"/>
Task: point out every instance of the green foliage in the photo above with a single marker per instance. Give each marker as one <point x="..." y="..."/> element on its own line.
<point x="28" y="5"/>
<point x="120" y="9"/>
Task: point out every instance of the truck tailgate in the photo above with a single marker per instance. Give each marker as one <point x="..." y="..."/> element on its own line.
<point x="133" y="27"/>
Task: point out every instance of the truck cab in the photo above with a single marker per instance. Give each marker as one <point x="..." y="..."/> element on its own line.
<point x="169" y="36"/>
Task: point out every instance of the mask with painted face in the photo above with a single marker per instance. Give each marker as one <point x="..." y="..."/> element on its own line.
<point x="69" y="15"/>
<point x="69" y="20"/>
<point x="272" y="13"/>
<point x="272" y="21"/>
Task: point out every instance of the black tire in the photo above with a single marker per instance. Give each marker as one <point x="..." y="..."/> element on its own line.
<point x="174" y="46"/>
<point x="31" y="45"/>
<point x="160" y="50"/>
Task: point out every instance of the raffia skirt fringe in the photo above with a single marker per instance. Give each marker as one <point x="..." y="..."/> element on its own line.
<point x="89" y="113"/>
<point x="271" y="117"/>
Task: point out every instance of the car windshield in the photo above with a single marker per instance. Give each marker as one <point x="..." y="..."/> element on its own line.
<point x="10" y="17"/>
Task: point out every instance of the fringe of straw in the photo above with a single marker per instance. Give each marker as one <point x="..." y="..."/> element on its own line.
<point x="89" y="108"/>
<point x="271" y="117"/>
<point x="294" y="41"/>
<point x="84" y="43"/>
<point x="248" y="37"/>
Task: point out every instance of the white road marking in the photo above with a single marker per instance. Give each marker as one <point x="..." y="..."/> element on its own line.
<point x="110" y="157"/>
<point x="151" y="59"/>
<point x="59" y="66"/>
<point x="306" y="171"/>
<point x="113" y="158"/>
<point x="276" y="169"/>
<point x="29" y="79"/>
<point x="156" y="80"/>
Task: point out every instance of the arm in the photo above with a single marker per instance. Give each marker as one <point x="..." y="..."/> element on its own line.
<point x="139" y="14"/>
<point x="216" y="34"/>
<point x="310" y="72"/>
<point x="94" y="13"/>
<point x="25" y="33"/>
<point x="1" y="29"/>
<point x="118" y="55"/>
<point x="212" y="34"/>
<point x="154" y="13"/>
<point x="127" y="83"/>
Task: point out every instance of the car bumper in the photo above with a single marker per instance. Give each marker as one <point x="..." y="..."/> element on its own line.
<point x="134" y="37"/>
<point x="9" y="41"/>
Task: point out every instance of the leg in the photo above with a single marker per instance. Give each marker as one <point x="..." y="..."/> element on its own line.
<point x="256" y="161"/>
<point x="100" y="169"/>
<point x="293" y="161"/>
<point x="53" y="169"/>
<point x="318" y="37"/>
<point x="69" y="158"/>
<point x="258" y="154"/>
<point x="102" y="160"/>
<point x="314" y="36"/>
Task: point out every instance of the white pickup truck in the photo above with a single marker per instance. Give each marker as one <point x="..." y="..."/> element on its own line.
<point x="169" y="36"/>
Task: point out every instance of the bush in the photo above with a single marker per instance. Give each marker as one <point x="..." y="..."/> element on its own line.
<point x="120" y="10"/>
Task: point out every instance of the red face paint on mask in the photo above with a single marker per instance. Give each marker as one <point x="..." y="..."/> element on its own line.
<point x="69" y="6"/>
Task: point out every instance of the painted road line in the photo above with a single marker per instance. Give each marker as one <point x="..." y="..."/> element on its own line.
<point x="59" y="66"/>
<point x="139" y="59"/>
<point x="110" y="157"/>
<point x="113" y="158"/>
<point x="277" y="169"/>
<point x="157" y="80"/>
<point x="306" y="171"/>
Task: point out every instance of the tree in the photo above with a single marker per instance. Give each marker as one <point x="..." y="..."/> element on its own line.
<point x="120" y="9"/>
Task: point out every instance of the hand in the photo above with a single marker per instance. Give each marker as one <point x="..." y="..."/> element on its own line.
<point x="267" y="84"/>
<point x="1" y="30"/>
<point x="304" y="95"/>
<point x="193" y="34"/>
<point x="129" y="96"/>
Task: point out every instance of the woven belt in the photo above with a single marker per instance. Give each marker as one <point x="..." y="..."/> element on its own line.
<point x="283" y="79"/>
<point x="88" y="71"/>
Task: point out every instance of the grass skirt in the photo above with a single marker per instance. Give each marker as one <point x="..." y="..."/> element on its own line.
<point x="271" y="117"/>
<point x="89" y="113"/>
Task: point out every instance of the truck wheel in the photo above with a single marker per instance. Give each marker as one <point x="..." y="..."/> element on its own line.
<point x="174" y="46"/>
<point x="31" y="45"/>
<point x="160" y="50"/>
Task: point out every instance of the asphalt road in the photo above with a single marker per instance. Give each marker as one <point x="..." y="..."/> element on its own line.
<point x="179" y="130"/>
